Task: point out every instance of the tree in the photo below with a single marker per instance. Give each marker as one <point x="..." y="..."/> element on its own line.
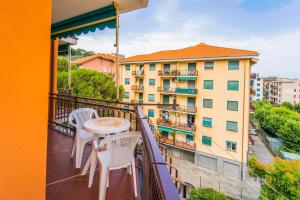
<point x="284" y="177"/>
<point x="62" y="64"/>
<point x="256" y="168"/>
<point x="297" y="108"/>
<point x="287" y="105"/>
<point x="90" y="83"/>
<point x="290" y="132"/>
<point x="206" y="194"/>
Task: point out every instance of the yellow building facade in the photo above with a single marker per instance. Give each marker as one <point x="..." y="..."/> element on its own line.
<point x="205" y="91"/>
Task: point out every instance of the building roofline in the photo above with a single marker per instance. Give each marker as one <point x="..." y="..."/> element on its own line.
<point x="252" y="57"/>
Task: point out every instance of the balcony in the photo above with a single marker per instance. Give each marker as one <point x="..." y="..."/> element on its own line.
<point x="179" y="91"/>
<point x="137" y="101"/>
<point x="138" y="73"/>
<point x="178" y="108"/>
<point x="177" y="125"/>
<point x="181" y="144"/>
<point x="65" y="182"/>
<point x="174" y="73"/>
<point x="138" y="88"/>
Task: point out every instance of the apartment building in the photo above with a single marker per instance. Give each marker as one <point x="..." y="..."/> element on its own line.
<point x="278" y="90"/>
<point x="256" y="87"/>
<point x="210" y="88"/>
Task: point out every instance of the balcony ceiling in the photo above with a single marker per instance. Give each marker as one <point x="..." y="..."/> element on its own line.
<point x="65" y="9"/>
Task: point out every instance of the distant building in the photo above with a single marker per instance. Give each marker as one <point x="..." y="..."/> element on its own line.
<point x="256" y="87"/>
<point x="105" y="63"/>
<point x="210" y="85"/>
<point x="278" y="90"/>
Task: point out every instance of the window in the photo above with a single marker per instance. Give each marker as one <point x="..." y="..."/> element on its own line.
<point x="127" y="81"/>
<point x="151" y="82"/>
<point x="207" y="103"/>
<point x="209" y="65"/>
<point x="295" y="90"/>
<point x="189" y="138"/>
<point x="231" y="146"/>
<point x="231" y="126"/>
<point x="258" y="95"/>
<point x="151" y="97"/>
<point x="206" y="140"/>
<point x="152" y="67"/>
<point x="232" y="105"/>
<point x="233" y="85"/>
<point x="206" y="122"/>
<point x="233" y="65"/>
<point x="150" y="113"/>
<point x="208" y="84"/>
<point x="258" y="84"/>
<point x="258" y="79"/>
<point x="258" y="90"/>
<point x="295" y="96"/>
<point x="126" y="95"/>
<point x="127" y="67"/>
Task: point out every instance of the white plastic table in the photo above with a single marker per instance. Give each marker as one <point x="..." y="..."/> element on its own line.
<point x="102" y="127"/>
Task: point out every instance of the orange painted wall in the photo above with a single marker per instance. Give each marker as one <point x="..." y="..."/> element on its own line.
<point x="24" y="84"/>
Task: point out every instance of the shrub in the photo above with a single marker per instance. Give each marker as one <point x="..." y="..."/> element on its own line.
<point x="256" y="168"/>
<point x="206" y="194"/>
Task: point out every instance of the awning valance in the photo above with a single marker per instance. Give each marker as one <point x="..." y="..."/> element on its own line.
<point x="97" y="19"/>
<point x="186" y="78"/>
<point x="167" y="129"/>
<point x="184" y="132"/>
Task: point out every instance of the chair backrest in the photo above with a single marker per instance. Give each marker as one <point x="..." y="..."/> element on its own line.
<point x="121" y="148"/>
<point x="79" y="116"/>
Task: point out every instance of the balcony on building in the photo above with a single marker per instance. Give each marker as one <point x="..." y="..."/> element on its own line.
<point x="178" y="91"/>
<point x="137" y="101"/>
<point x="178" y="108"/>
<point x="169" y="134"/>
<point x="138" y="88"/>
<point x="138" y="73"/>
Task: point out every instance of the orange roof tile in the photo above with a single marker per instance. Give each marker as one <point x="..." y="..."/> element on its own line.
<point x="199" y="51"/>
<point x="98" y="55"/>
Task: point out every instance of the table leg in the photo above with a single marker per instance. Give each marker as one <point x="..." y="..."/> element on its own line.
<point x="93" y="167"/>
<point x="87" y="164"/>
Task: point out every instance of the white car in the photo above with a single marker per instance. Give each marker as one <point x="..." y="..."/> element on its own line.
<point x="253" y="131"/>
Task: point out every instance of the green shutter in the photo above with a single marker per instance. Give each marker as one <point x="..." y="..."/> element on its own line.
<point x="233" y="105"/>
<point x="207" y="103"/>
<point x="150" y="113"/>
<point x="206" y="140"/>
<point x="208" y="84"/>
<point x="233" y="85"/>
<point x="127" y="81"/>
<point x="126" y="95"/>
<point x="152" y="67"/>
<point x="231" y="126"/>
<point x="165" y="134"/>
<point x="151" y="97"/>
<point x="151" y="82"/>
<point x="184" y="78"/>
<point x="233" y="65"/>
<point x="127" y="67"/>
<point x="167" y="129"/>
<point x="207" y="122"/>
<point x="209" y="65"/>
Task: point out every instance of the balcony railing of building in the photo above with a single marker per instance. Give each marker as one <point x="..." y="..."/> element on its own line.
<point x="137" y="87"/>
<point x="155" y="179"/>
<point x="178" y="108"/>
<point x="181" y="144"/>
<point x="177" y="125"/>
<point x="185" y="91"/>
<point x="137" y="101"/>
<point x="173" y="73"/>
<point x="138" y="73"/>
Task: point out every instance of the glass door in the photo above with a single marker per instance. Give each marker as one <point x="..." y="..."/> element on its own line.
<point x="166" y="99"/>
<point x="166" y="84"/>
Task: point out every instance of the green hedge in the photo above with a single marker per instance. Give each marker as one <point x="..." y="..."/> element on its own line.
<point x="206" y="194"/>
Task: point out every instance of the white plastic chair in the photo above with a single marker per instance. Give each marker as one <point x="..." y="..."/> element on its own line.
<point x="118" y="153"/>
<point x="77" y="118"/>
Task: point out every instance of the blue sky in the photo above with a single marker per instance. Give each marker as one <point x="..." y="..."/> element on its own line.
<point x="271" y="27"/>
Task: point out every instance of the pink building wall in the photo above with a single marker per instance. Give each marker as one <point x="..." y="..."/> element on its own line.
<point x="100" y="64"/>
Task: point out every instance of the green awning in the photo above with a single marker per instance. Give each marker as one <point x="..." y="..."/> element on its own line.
<point x="164" y="128"/>
<point x="97" y="19"/>
<point x="184" y="132"/>
<point x="186" y="78"/>
<point x="63" y="49"/>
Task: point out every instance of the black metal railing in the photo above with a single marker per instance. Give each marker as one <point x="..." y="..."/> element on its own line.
<point x="155" y="179"/>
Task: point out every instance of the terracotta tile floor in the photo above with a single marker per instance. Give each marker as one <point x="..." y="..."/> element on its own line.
<point x="61" y="166"/>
